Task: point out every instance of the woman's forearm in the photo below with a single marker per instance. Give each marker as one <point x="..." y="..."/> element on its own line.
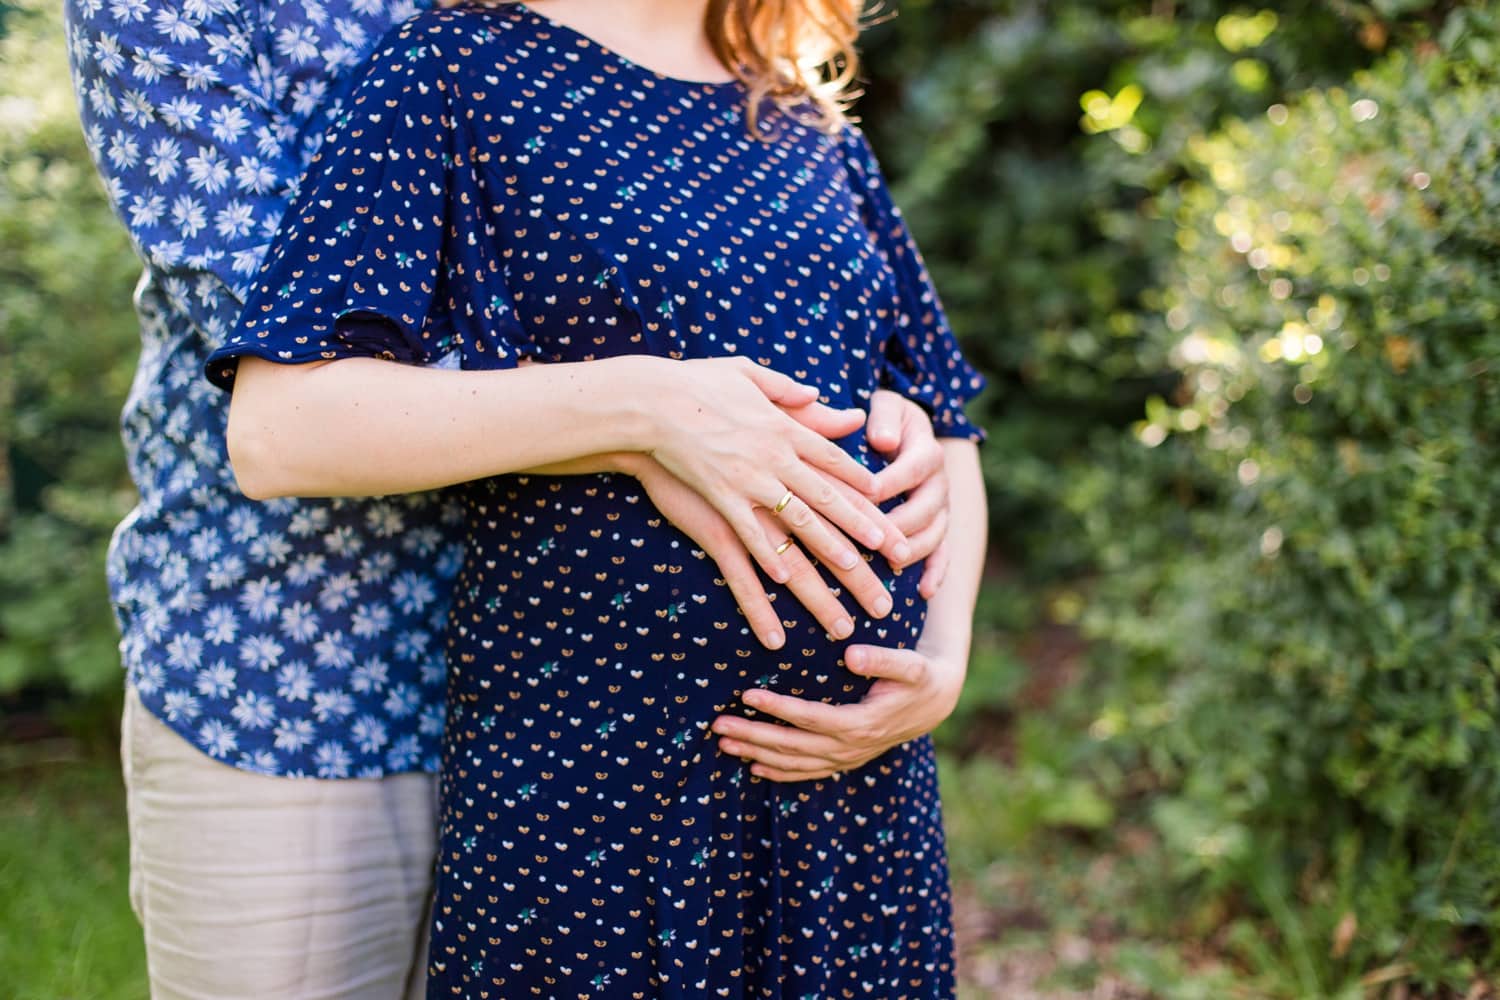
<point x="741" y="435"/>
<point x="364" y="427"/>
<point x="950" y="613"/>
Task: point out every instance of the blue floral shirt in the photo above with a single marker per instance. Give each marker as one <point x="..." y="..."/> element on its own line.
<point x="295" y="637"/>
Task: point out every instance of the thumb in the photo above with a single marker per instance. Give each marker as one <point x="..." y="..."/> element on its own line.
<point x="883" y="429"/>
<point x="778" y="388"/>
<point x="905" y="666"/>
<point x="827" y="421"/>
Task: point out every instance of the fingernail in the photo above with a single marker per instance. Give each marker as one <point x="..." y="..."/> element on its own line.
<point x="775" y="640"/>
<point x="848" y="559"/>
<point x="843" y="628"/>
<point x="729" y="746"/>
<point x="901" y="553"/>
<point x="882" y="605"/>
<point x="780" y="574"/>
<point x="855" y="658"/>
<point x="874" y="537"/>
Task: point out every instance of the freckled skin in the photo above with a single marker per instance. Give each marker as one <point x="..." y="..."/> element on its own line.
<point x="507" y="189"/>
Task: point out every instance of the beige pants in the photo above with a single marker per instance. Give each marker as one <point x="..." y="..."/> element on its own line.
<point x="266" y="888"/>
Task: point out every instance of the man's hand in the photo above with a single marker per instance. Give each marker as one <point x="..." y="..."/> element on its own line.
<point x="911" y="695"/>
<point x="899" y="427"/>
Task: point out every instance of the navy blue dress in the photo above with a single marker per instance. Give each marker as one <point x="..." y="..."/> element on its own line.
<point x="500" y="188"/>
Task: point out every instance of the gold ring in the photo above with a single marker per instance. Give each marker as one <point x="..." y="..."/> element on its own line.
<point x="784" y="545"/>
<point x="781" y="504"/>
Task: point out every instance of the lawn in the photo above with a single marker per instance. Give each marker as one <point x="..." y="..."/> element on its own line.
<point x="66" y="930"/>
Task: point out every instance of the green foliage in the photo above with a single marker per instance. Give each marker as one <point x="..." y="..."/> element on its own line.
<point x="66" y="929"/>
<point x="1304" y="622"/>
<point x="1242" y="332"/>
<point x="1032" y="144"/>
<point x="67" y="349"/>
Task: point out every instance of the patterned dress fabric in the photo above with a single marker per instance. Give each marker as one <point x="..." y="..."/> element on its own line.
<point x="295" y="637"/>
<point x="500" y="187"/>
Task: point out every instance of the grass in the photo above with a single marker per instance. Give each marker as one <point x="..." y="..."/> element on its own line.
<point x="66" y="929"/>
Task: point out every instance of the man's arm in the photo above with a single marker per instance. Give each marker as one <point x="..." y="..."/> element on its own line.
<point x="197" y="163"/>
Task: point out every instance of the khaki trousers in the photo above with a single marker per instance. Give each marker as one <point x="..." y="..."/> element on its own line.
<point x="264" y="888"/>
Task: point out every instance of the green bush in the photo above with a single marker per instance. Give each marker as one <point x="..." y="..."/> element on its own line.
<point x="67" y="350"/>
<point x="1031" y="144"/>
<point x="1304" y="623"/>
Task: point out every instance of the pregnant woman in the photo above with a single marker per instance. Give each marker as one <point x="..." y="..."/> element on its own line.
<point x="679" y="253"/>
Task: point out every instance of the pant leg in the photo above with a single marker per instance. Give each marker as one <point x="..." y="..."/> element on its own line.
<point x="265" y="888"/>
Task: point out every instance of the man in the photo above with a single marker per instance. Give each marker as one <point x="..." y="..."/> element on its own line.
<point x="284" y="678"/>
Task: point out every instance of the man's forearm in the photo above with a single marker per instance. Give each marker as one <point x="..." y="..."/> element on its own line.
<point x="950" y="613"/>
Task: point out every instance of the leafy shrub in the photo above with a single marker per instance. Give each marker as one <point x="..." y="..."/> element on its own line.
<point x="67" y="349"/>
<point x="1305" y="622"/>
<point x="1031" y="144"/>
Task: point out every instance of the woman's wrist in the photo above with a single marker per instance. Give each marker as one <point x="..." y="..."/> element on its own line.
<point x="631" y="463"/>
<point x="640" y="384"/>
<point x="951" y="651"/>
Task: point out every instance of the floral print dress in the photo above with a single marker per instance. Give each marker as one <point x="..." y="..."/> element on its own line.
<point x="501" y="187"/>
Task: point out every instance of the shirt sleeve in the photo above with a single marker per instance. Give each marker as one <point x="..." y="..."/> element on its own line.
<point x="922" y="359"/>
<point x="383" y="254"/>
<point x="195" y="159"/>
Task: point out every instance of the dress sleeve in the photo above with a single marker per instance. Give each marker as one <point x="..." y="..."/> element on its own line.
<point x="922" y="359"/>
<point x="379" y="256"/>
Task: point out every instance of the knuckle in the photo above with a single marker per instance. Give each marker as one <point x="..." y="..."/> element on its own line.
<point x="800" y="567"/>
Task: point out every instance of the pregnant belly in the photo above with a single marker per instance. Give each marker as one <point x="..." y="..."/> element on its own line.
<point x="578" y="588"/>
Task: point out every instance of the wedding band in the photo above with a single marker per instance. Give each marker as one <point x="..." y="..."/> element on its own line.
<point x="784" y="546"/>
<point x="781" y="505"/>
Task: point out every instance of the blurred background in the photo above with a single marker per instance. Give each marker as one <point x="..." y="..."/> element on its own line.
<point x="1233" y="722"/>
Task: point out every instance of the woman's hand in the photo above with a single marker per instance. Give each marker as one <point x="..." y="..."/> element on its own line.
<point x="697" y="518"/>
<point x="895" y="424"/>
<point x="913" y="690"/>
<point x="746" y="437"/>
<point x="911" y="695"/>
